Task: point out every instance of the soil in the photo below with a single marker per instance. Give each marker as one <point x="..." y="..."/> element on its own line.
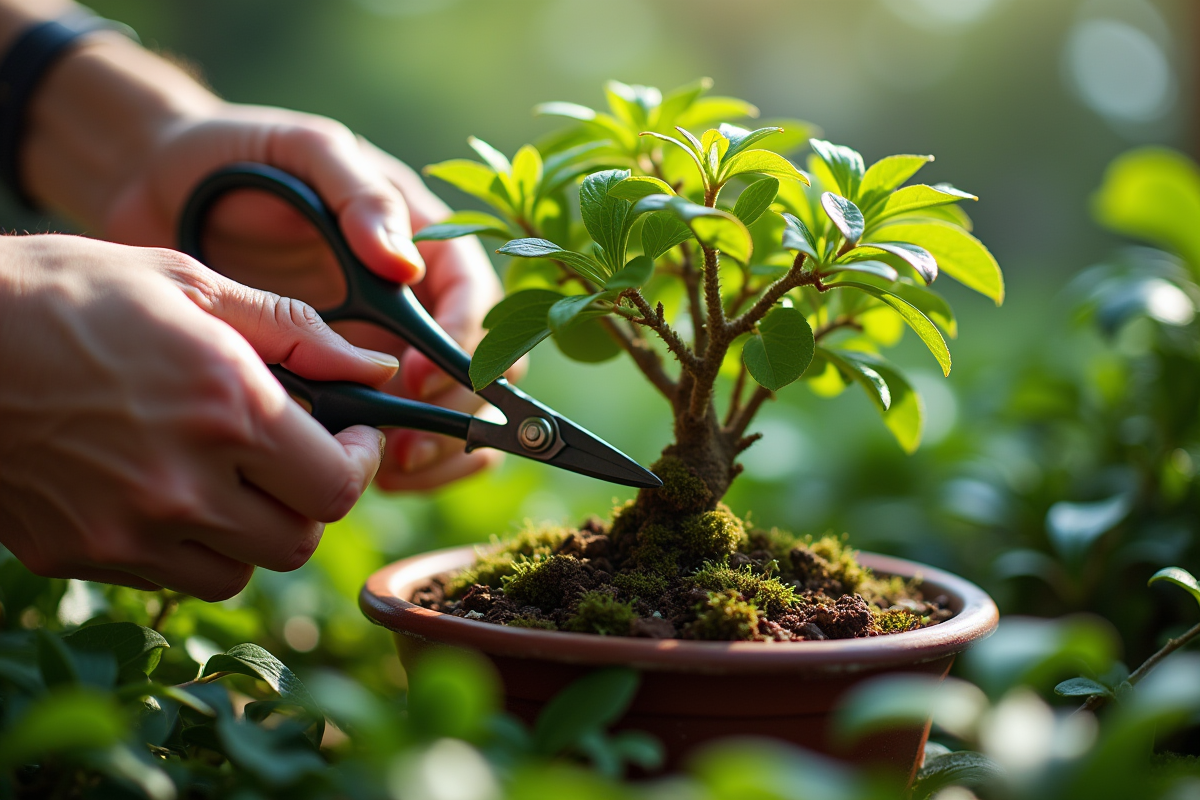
<point x="681" y="573"/>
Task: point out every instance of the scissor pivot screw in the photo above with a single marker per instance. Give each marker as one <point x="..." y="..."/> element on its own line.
<point x="536" y="434"/>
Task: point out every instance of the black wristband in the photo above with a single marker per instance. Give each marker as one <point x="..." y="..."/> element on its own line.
<point x="22" y="69"/>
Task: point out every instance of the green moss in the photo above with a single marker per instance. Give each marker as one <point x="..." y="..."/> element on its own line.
<point x="489" y="570"/>
<point x="895" y="620"/>
<point x="546" y="583"/>
<point x="769" y="595"/>
<point x="625" y="522"/>
<point x="711" y="535"/>
<point x="496" y="561"/>
<point x="532" y="622"/>
<point x="681" y="488"/>
<point x="640" y="585"/>
<point x="776" y="542"/>
<point x="601" y="613"/>
<point x="724" y="617"/>
<point x="829" y="560"/>
<point x="656" y="558"/>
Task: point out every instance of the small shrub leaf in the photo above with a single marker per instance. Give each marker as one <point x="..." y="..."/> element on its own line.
<point x="1180" y="577"/>
<point x="779" y="351"/>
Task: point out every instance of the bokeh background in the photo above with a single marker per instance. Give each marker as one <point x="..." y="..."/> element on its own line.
<point x="1023" y="102"/>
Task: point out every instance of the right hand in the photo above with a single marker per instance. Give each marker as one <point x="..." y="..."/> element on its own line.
<point x="142" y="439"/>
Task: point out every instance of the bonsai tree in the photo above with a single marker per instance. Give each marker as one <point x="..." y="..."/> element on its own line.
<point x="659" y="229"/>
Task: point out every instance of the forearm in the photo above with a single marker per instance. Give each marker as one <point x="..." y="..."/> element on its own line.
<point x="98" y="113"/>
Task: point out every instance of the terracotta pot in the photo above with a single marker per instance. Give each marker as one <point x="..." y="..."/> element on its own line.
<point x="694" y="692"/>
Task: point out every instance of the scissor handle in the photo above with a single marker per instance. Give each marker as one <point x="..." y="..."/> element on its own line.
<point x="390" y="305"/>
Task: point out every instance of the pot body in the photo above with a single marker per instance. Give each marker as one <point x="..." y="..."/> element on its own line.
<point x="695" y="692"/>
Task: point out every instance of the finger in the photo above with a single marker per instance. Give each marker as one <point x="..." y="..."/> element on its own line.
<point x="299" y="464"/>
<point x="282" y="330"/>
<point x="371" y="211"/>
<point x="254" y="528"/>
<point x="461" y="284"/>
<point x="195" y="569"/>
<point x="447" y="469"/>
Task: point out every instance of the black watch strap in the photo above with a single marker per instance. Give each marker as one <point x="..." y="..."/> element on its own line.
<point x="22" y="69"/>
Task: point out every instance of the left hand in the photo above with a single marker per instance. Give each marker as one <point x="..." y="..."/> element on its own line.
<point x="260" y="241"/>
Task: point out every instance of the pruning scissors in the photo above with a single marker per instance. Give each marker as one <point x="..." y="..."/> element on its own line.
<point x="531" y="429"/>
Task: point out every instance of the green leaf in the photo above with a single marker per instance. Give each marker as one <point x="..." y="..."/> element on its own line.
<point x="962" y="768"/>
<point x="661" y="231"/>
<point x="475" y="179"/>
<point x="929" y="303"/>
<point x="679" y="100"/>
<point x="958" y="254"/>
<point x="63" y="665"/>
<point x="755" y="199"/>
<point x="564" y="312"/>
<point x="916" y="257"/>
<point x="1082" y="687"/>
<point x="527" y="175"/>
<point x="713" y="145"/>
<point x="464" y="223"/>
<point x="764" y="161"/>
<point x="845" y="164"/>
<point x="561" y="109"/>
<point x="588" y="705"/>
<point x="855" y="370"/>
<point x="636" y="273"/>
<point x="685" y="148"/>
<point x="912" y="315"/>
<point x="586" y="266"/>
<point x="452" y="693"/>
<point x="65" y="721"/>
<point x="914" y="198"/>
<point x="137" y="650"/>
<point x="845" y="216"/>
<point x="716" y="229"/>
<point x="707" y="110"/>
<point x="632" y="104"/>
<point x="517" y="324"/>
<point x="889" y="702"/>
<point x="887" y="174"/>
<point x="490" y="155"/>
<point x="797" y="236"/>
<point x="741" y="139"/>
<point x="780" y="349"/>
<point x="1180" y="577"/>
<point x="266" y="754"/>
<point x="1153" y="194"/>
<point x="905" y="414"/>
<point x="635" y="187"/>
<point x="876" y="268"/>
<point x="252" y="660"/>
<point x="637" y="747"/>
<point x="586" y="340"/>
<point x="606" y="217"/>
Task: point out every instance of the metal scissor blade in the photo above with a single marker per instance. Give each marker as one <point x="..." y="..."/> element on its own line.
<point x="580" y="452"/>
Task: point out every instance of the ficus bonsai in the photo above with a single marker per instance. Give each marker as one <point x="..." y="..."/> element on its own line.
<point x="693" y="245"/>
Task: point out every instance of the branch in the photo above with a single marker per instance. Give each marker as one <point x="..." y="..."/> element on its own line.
<point x="653" y="319"/>
<point x="645" y="358"/>
<point x="794" y="278"/>
<point x="691" y="280"/>
<point x="743" y="418"/>
<point x="712" y="296"/>
<point x="735" y="398"/>
<point x="1097" y="700"/>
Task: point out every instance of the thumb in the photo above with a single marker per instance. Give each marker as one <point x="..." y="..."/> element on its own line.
<point x="281" y="330"/>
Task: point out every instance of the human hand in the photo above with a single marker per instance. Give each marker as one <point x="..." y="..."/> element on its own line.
<point x="143" y="440"/>
<point x="259" y="240"/>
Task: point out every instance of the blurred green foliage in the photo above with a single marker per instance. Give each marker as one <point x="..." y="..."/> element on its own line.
<point x="1058" y="470"/>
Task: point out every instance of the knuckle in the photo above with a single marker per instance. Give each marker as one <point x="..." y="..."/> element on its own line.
<point x="321" y="133"/>
<point x="297" y="313"/>
<point x="167" y="494"/>
<point x="342" y="500"/>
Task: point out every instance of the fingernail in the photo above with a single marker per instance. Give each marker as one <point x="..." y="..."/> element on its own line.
<point x="403" y="246"/>
<point x="422" y="454"/>
<point x="435" y="384"/>
<point x="382" y="359"/>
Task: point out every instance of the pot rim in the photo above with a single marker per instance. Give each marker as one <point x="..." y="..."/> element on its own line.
<point x="384" y="600"/>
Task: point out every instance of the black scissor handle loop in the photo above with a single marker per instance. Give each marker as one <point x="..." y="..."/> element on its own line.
<point x="368" y="297"/>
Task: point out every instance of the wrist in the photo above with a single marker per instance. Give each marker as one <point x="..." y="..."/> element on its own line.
<point x="100" y="113"/>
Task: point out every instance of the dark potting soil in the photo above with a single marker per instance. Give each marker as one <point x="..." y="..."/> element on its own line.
<point x="705" y="577"/>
